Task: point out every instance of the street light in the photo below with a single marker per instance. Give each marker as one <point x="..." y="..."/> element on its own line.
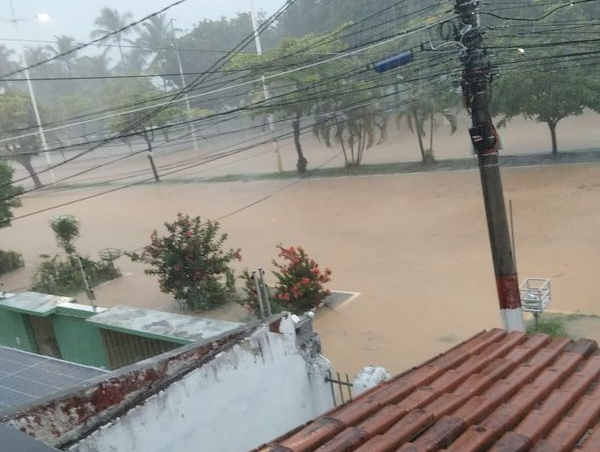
<point x="184" y="88"/>
<point x="265" y="88"/>
<point x="41" y="17"/>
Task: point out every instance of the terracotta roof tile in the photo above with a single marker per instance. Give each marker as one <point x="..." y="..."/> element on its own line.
<point x="592" y="443"/>
<point x="573" y="428"/>
<point x="497" y="392"/>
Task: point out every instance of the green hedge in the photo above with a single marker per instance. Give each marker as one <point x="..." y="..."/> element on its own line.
<point x="9" y="261"/>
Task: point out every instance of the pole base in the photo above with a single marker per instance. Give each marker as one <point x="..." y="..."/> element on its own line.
<point x="512" y="319"/>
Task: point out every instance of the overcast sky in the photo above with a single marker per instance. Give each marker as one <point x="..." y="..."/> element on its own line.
<point x="76" y="17"/>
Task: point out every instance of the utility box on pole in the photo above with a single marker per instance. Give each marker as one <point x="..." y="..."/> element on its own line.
<point x="476" y="83"/>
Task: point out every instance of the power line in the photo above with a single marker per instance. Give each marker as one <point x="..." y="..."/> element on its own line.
<point x="259" y="68"/>
<point x="251" y="82"/>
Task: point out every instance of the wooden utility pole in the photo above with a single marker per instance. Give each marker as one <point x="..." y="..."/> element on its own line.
<point x="476" y="83"/>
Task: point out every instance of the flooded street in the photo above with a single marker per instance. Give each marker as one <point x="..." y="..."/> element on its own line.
<point x="414" y="245"/>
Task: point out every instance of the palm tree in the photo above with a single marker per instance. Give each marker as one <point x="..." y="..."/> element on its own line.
<point x="420" y="110"/>
<point x="109" y="21"/>
<point x="156" y="38"/>
<point x="36" y="54"/>
<point x="63" y="45"/>
<point x="97" y="65"/>
<point x="6" y="63"/>
<point x="355" y="130"/>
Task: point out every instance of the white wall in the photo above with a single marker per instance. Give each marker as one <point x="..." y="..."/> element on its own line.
<point x="245" y="397"/>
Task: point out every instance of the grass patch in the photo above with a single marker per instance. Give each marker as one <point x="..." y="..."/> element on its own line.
<point x="555" y="326"/>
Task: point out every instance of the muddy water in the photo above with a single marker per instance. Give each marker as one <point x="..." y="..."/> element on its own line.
<point x="415" y="246"/>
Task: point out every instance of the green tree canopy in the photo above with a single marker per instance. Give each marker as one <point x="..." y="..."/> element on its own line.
<point x="8" y="194"/>
<point x="545" y="96"/>
<point x="16" y="115"/>
<point x="295" y="93"/>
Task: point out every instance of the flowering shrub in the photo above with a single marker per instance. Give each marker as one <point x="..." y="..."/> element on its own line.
<point x="191" y="264"/>
<point x="300" y="281"/>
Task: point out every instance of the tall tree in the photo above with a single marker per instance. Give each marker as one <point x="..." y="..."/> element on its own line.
<point x="109" y="21"/>
<point x="297" y="93"/>
<point x="63" y="45"/>
<point x="544" y="95"/>
<point x="8" y="194"/>
<point x="355" y="129"/>
<point x="97" y="65"/>
<point x="421" y="113"/>
<point x="6" y="63"/>
<point x="155" y="40"/>
<point x="16" y="115"/>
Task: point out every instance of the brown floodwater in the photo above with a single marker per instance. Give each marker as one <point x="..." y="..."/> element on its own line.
<point x="414" y="246"/>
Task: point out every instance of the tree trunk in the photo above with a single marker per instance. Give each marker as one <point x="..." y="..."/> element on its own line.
<point x="121" y="53"/>
<point x="418" y="131"/>
<point x="26" y="162"/>
<point x="302" y="162"/>
<point x="552" y="126"/>
<point x="430" y="153"/>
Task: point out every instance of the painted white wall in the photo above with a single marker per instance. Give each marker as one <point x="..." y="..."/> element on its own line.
<point x="245" y="397"/>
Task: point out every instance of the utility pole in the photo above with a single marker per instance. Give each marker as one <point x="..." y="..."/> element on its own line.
<point x="266" y="94"/>
<point x="476" y="83"/>
<point x="183" y="86"/>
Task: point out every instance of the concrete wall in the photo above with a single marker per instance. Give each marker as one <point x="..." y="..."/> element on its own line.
<point x="244" y="397"/>
<point x="15" y="331"/>
<point x="79" y="341"/>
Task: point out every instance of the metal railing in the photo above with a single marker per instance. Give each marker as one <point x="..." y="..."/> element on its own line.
<point x="341" y="388"/>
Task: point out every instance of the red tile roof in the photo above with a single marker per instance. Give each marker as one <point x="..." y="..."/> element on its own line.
<point x="497" y="392"/>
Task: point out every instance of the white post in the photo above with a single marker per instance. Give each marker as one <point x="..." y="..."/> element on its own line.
<point x="266" y="94"/>
<point x="38" y="119"/>
<point x="183" y="86"/>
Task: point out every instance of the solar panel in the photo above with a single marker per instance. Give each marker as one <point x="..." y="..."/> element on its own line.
<point x="25" y="377"/>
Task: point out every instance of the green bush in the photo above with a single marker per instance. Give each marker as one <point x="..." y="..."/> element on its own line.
<point x="191" y="264"/>
<point x="9" y="261"/>
<point x="63" y="277"/>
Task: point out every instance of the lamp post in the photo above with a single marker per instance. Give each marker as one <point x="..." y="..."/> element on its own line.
<point x="183" y="87"/>
<point x="41" y="17"/>
<point x="265" y="88"/>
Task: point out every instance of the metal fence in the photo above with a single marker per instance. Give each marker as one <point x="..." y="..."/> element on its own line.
<point x="341" y="388"/>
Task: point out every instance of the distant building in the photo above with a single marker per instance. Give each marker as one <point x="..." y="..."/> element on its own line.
<point x="105" y="338"/>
